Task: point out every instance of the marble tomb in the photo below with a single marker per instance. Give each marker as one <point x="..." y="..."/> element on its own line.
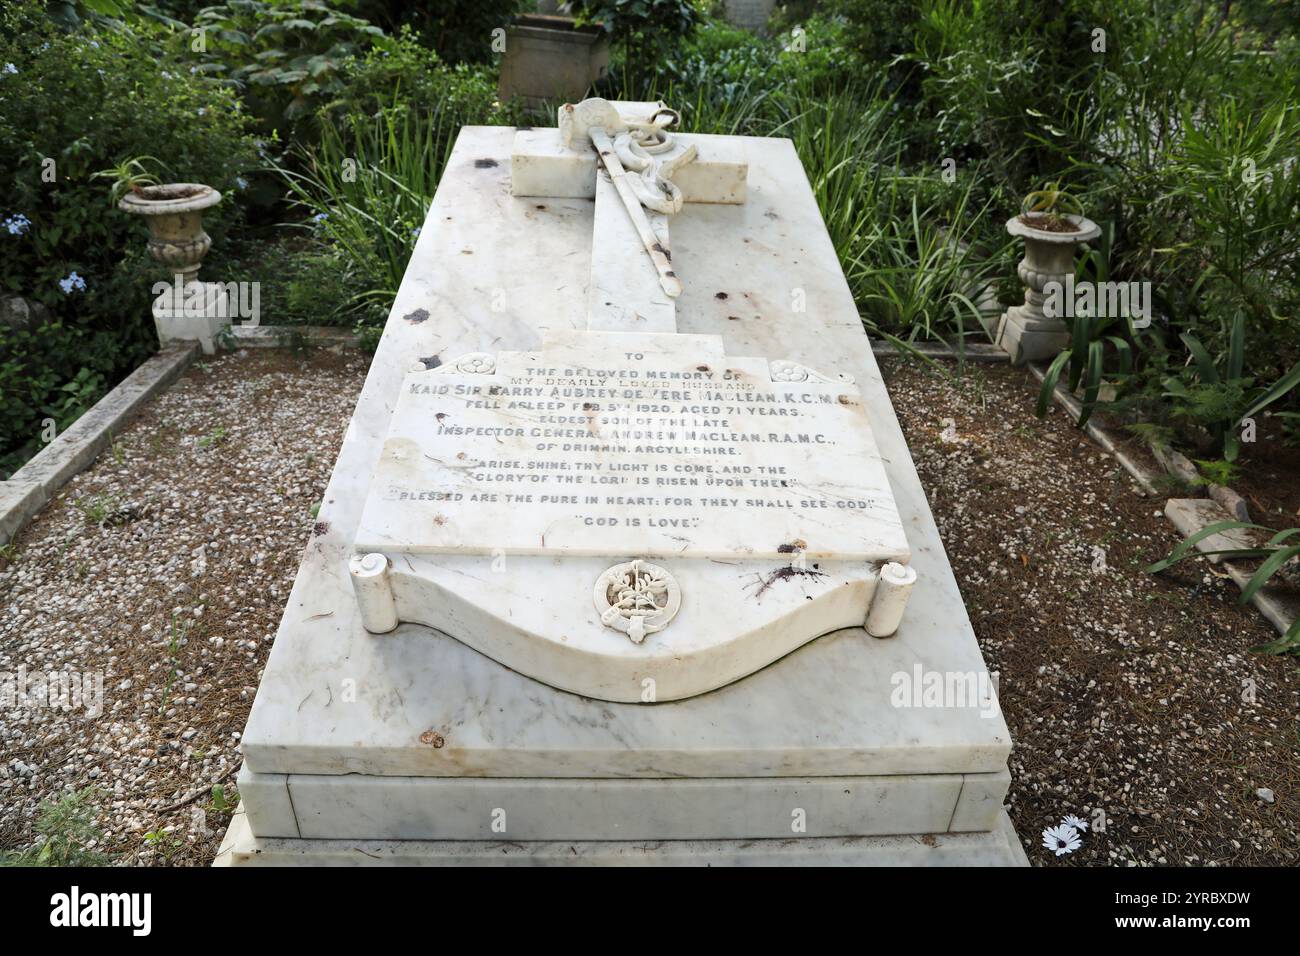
<point x="624" y="558"/>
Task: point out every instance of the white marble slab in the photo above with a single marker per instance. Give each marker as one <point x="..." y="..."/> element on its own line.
<point x="468" y="808"/>
<point x="653" y="445"/>
<point x="537" y="616"/>
<point x="336" y="699"/>
<point x="997" y="847"/>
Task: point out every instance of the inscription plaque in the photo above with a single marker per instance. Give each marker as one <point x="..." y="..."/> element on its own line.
<point x="652" y="445"/>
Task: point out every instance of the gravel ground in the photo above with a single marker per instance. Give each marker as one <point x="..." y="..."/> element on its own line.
<point x="1132" y="700"/>
<point x="165" y="568"/>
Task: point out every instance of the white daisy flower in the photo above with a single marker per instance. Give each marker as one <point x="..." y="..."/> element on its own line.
<point x="1072" y="821"/>
<point x="1061" y="840"/>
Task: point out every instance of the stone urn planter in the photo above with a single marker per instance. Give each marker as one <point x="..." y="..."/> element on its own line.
<point x="188" y="310"/>
<point x="174" y="214"/>
<point x="551" y="58"/>
<point x="1025" y="331"/>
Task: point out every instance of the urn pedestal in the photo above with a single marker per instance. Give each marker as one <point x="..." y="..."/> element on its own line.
<point x="551" y="58"/>
<point x="1025" y="331"/>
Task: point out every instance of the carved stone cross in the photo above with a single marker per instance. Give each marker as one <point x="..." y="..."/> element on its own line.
<point x="628" y="503"/>
<point x="639" y="173"/>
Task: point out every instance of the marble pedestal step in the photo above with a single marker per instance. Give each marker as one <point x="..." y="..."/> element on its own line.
<point x="997" y="847"/>
<point x="355" y="806"/>
<point x="1027" y="339"/>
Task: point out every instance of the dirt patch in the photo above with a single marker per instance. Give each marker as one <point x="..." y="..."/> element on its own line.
<point x="1132" y="695"/>
<point x="1269" y="477"/>
<point x="163" y="569"/>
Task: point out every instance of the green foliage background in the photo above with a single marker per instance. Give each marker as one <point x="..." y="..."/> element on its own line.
<point x="1178" y="132"/>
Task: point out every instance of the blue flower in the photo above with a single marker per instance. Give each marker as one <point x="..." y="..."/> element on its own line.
<point x="17" y="224"/>
<point x="415" y="233"/>
<point x="10" y="68"/>
<point x="72" y="281"/>
<point x="241" y="182"/>
<point x="320" y="217"/>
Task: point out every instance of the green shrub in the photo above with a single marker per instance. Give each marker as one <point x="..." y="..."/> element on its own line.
<point x="879" y="32"/>
<point x="364" y="186"/>
<point x="67" y="828"/>
<point x="645" y="30"/>
<point x="728" y="61"/>
<point x="61" y="241"/>
<point x="367" y="188"/>
<point x="286" y="57"/>
<point x="456" y="30"/>
<point x="400" y="69"/>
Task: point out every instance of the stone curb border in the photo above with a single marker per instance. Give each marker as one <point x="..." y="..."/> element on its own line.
<point x="35" y="483"/>
<point x="975" y="352"/>
<point x="29" y="488"/>
<point x="289" y="336"/>
<point x="1190" y="515"/>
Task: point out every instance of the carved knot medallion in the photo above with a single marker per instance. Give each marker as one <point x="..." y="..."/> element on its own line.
<point x="637" y="598"/>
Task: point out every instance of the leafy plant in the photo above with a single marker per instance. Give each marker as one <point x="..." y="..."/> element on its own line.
<point x="1214" y="472"/>
<point x="1049" y="206"/>
<point x="1276" y="554"/>
<point x="67" y="826"/>
<point x="128" y="176"/>
<point x="214" y="437"/>
<point x="286" y="56"/>
<point x="646" y="29"/>
<point x="1223" y="396"/>
<point x="220" y="804"/>
<point x="99" y="509"/>
<point x="456" y="30"/>
<point x="1084" y="362"/>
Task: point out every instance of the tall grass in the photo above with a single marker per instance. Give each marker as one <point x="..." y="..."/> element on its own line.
<point x="905" y="238"/>
<point x="366" y="187"/>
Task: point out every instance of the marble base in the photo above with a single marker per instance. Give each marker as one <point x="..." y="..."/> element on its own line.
<point x="1027" y="339"/>
<point x="191" y="316"/>
<point x="996" y="847"/>
<point x="352" y="806"/>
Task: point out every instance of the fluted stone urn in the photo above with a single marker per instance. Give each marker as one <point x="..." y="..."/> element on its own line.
<point x="1025" y="332"/>
<point x="174" y="214"/>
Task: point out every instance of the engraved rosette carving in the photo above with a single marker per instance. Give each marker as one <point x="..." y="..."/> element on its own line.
<point x="786" y="371"/>
<point x="471" y="363"/>
<point x="637" y="598"/>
